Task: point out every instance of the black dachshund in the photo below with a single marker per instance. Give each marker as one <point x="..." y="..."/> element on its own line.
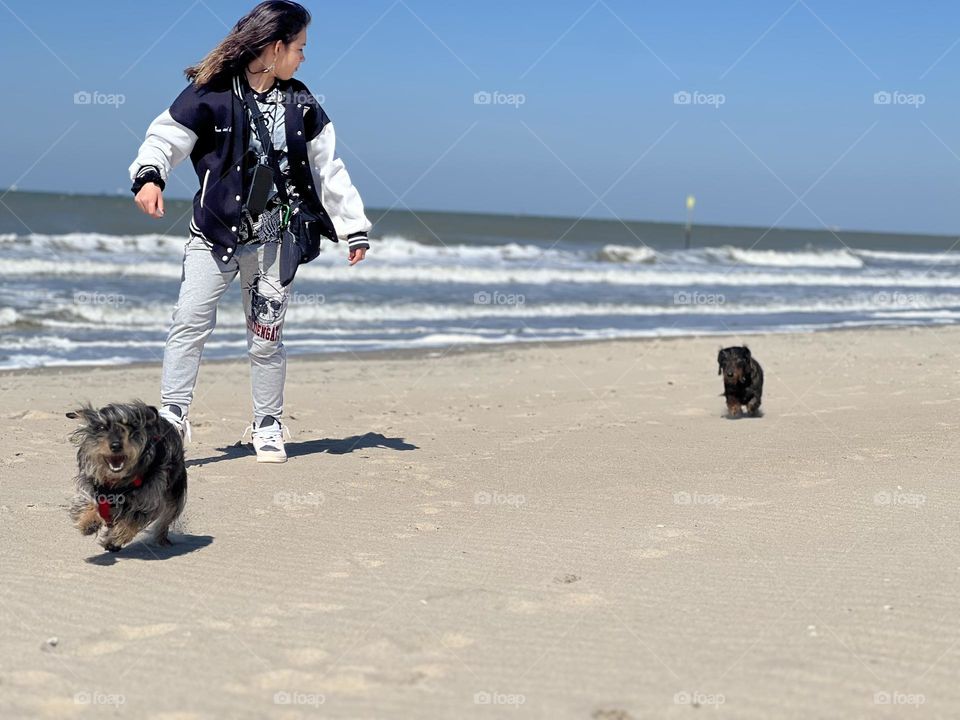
<point x="742" y="381"/>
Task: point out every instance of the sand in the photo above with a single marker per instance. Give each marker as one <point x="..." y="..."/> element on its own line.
<point x="551" y="531"/>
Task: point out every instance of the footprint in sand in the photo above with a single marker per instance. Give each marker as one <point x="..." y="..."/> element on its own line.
<point x="28" y="678"/>
<point x="426" y="527"/>
<point x="368" y="560"/>
<point x="96" y="649"/>
<point x="692" y="412"/>
<point x="285" y="679"/>
<point x="432" y="672"/>
<point x="139" y="632"/>
<point x="263" y="622"/>
<point x="523" y="607"/>
<point x="741" y="503"/>
<point x="663" y="541"/>
<point x="455" y="641"/>
<point x="306" y="656"/>
<point x="584" y="599"/>
<point x="212" y="624"/>
<point x="348" y="681"/>
<point x="36" y="415"/>
<point x="298" y="609"/>
<point x="606" y="714"/>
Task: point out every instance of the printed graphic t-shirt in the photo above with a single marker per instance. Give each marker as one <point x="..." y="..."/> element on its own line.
<point x="270" y="103"/>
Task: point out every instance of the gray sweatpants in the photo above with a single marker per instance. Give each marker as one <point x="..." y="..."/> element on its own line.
<point x="204" y="280"/>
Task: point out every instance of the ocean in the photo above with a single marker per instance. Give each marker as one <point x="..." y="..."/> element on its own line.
<point x="89" y="280"/>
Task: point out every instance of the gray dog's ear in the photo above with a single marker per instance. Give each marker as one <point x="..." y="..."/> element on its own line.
<point x="746" y="352"/>
<point x="85" y="413"/>
<point x="150" y="414"/>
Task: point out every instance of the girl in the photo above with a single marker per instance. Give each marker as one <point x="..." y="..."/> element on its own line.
<point x="215" y="123"/>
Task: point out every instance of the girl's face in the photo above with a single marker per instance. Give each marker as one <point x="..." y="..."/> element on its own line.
<point x="290" y="56"/>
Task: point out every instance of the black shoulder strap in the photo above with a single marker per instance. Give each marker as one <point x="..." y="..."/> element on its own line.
<point x="261" y="127"/>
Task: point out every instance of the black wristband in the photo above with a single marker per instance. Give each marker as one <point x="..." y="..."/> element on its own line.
<point x="145" y="176"/>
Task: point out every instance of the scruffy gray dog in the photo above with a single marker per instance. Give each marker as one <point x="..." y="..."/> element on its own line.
<point x="130" y="473"/>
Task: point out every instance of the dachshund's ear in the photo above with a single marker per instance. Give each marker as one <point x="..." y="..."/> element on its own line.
<point x="746" y="351"/>
<point x="720" y="362"/>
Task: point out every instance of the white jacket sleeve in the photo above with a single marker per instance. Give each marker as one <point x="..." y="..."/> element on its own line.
<point x="338" y="195"/>
<point x="166" y="145"/>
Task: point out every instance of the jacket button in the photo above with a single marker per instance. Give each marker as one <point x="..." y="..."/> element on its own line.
<point x="303" y="162"/>
<point x="299" y="133"/>
<point x="234" y="228"/>
<point x="238" y="168"/>
<point x="229" y="250"/>
<point x="238" y="198"/>
<point x="225" y="258"/>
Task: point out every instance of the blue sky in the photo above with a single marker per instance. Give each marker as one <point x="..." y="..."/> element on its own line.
<point x="783" y="126"/>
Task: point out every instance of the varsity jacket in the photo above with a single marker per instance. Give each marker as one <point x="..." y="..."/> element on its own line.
<point x="210" y="125"/>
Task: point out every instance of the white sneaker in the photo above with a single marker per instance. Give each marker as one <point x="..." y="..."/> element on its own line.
<point x="268" y="441"/>
<point x="174" y="415"/>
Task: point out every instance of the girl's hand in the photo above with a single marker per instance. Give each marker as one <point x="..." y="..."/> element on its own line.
<point x="357" y="255"/>
<point x="150" y="200"/>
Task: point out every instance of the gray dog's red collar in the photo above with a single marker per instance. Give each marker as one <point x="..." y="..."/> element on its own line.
<point x="104" y="505"/>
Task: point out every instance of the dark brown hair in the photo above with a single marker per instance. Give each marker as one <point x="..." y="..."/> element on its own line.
<point x="268" y="22"/>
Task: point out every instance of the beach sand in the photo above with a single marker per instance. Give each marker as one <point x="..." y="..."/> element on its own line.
<point x="550" y="531"/>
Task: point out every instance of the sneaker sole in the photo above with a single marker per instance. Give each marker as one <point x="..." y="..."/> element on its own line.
<point x="268" y="459"/>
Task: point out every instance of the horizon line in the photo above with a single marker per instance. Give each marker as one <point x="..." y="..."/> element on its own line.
<point x="535" y="216"/>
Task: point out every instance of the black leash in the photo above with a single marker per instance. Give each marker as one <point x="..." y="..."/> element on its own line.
<point x="266" y="143"/>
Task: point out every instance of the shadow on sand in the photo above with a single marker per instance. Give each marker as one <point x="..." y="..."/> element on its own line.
<point x="146" y="550"/>
<point x="332" y="446"/>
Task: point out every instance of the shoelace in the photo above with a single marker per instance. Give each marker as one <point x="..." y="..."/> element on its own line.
<point x="271" y="433"/>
